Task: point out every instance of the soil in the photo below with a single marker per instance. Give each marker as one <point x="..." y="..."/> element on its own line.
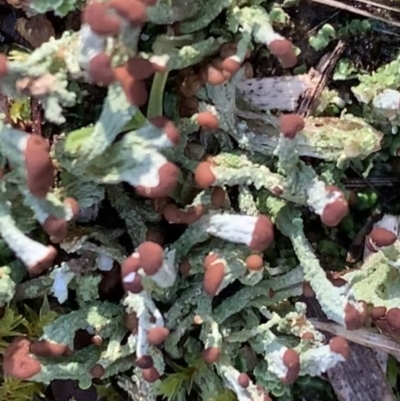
<point x="367" y="51"/>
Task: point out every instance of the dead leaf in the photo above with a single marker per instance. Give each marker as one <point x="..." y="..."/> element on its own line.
<point x="36" y="30"/>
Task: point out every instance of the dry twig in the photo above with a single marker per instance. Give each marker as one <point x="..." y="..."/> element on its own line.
<point x="366" y="8"/>
<point x="320" y="75"/>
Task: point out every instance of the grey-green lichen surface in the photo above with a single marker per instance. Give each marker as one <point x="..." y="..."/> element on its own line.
<point x="209" y="298"/>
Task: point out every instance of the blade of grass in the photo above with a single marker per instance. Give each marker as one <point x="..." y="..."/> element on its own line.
<point x="155" y="106"/>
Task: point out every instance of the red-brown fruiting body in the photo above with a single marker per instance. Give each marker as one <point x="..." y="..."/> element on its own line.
<point x="207" y="120"/>
<point x="169" y="129"/>
<point x="39" y="167"/>
<point x="290" y="125"/>
<point x="254" y="262"/>
<point x="100" y="70"/>
<point x="213" y="277"/>
<point x="217" y="63"/>
<point x="380" y="237"/>
<point x="215" y="76"/>
<point x="229" y="49"/>
<point x="100" y="21"/>
<point x="168" y="175"/>
<point x="131" y="322"/>
<point x="211" y="355"/>
<point x="157" y="335"/>
<point x="277" y="191"/>
<point x="190" y="85"/>
<point x="158" y="204"/>
<point x="384" y="326"/>
<point x="130" y="265"/>
<point x="3" y="65"/>
<point x="150" y="375"/>
<point x="73" y="205"/>
<point x="291" y="360"/>
<point x="209" y="260"/>
<point x="340" y="346"/>
<point x="308" y="292"/>
<point x="97" y="371"/>
<point x="248" y="70"/>
<point x="18" y="363"/>
<point x="353" y="318"/>
<point x="218" y="197"/>
<point x="244" y="380"/>
<point x="263" y="234"/>
<point x="135" y="90"/>
<point x="44" y="264"/>
<point x="283" y="50"/>
<point x="155" y="236"/>
<point x="393" y="319"/>
<point x="46" y="348"/>
<point x="184" y="268"/>
<point x="204" y="176"/>
<point x="231" y="64"/>
<point x="335" y="211"/>
<point x="131" y="281"/>
<point x="192" y="214"/>
<point x="338" y="281"/>
<point x="151" y="257"/>
<point x="172" y="214"/>
<point x="56" y="228"/>
<point x="307" y="336"/>
<point x="139" y="68"/>
<point x="198" y="320"/>
<point x="378" y="312"/>
<point x="132" y="10"/>
<point x="144" y="362"/>
<point x="335" y="279"/>
<point x="97" y="341"/>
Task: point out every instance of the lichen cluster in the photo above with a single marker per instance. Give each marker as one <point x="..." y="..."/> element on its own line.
<point x="205" y="294"/>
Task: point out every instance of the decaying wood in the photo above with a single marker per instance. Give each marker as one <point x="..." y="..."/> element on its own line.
<point x="274" y="93"/>
<point x="289" y="93"/>
<point x="320" y="76"/>
<point x="358" y="183"/>
<point x="360" y="378"/>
